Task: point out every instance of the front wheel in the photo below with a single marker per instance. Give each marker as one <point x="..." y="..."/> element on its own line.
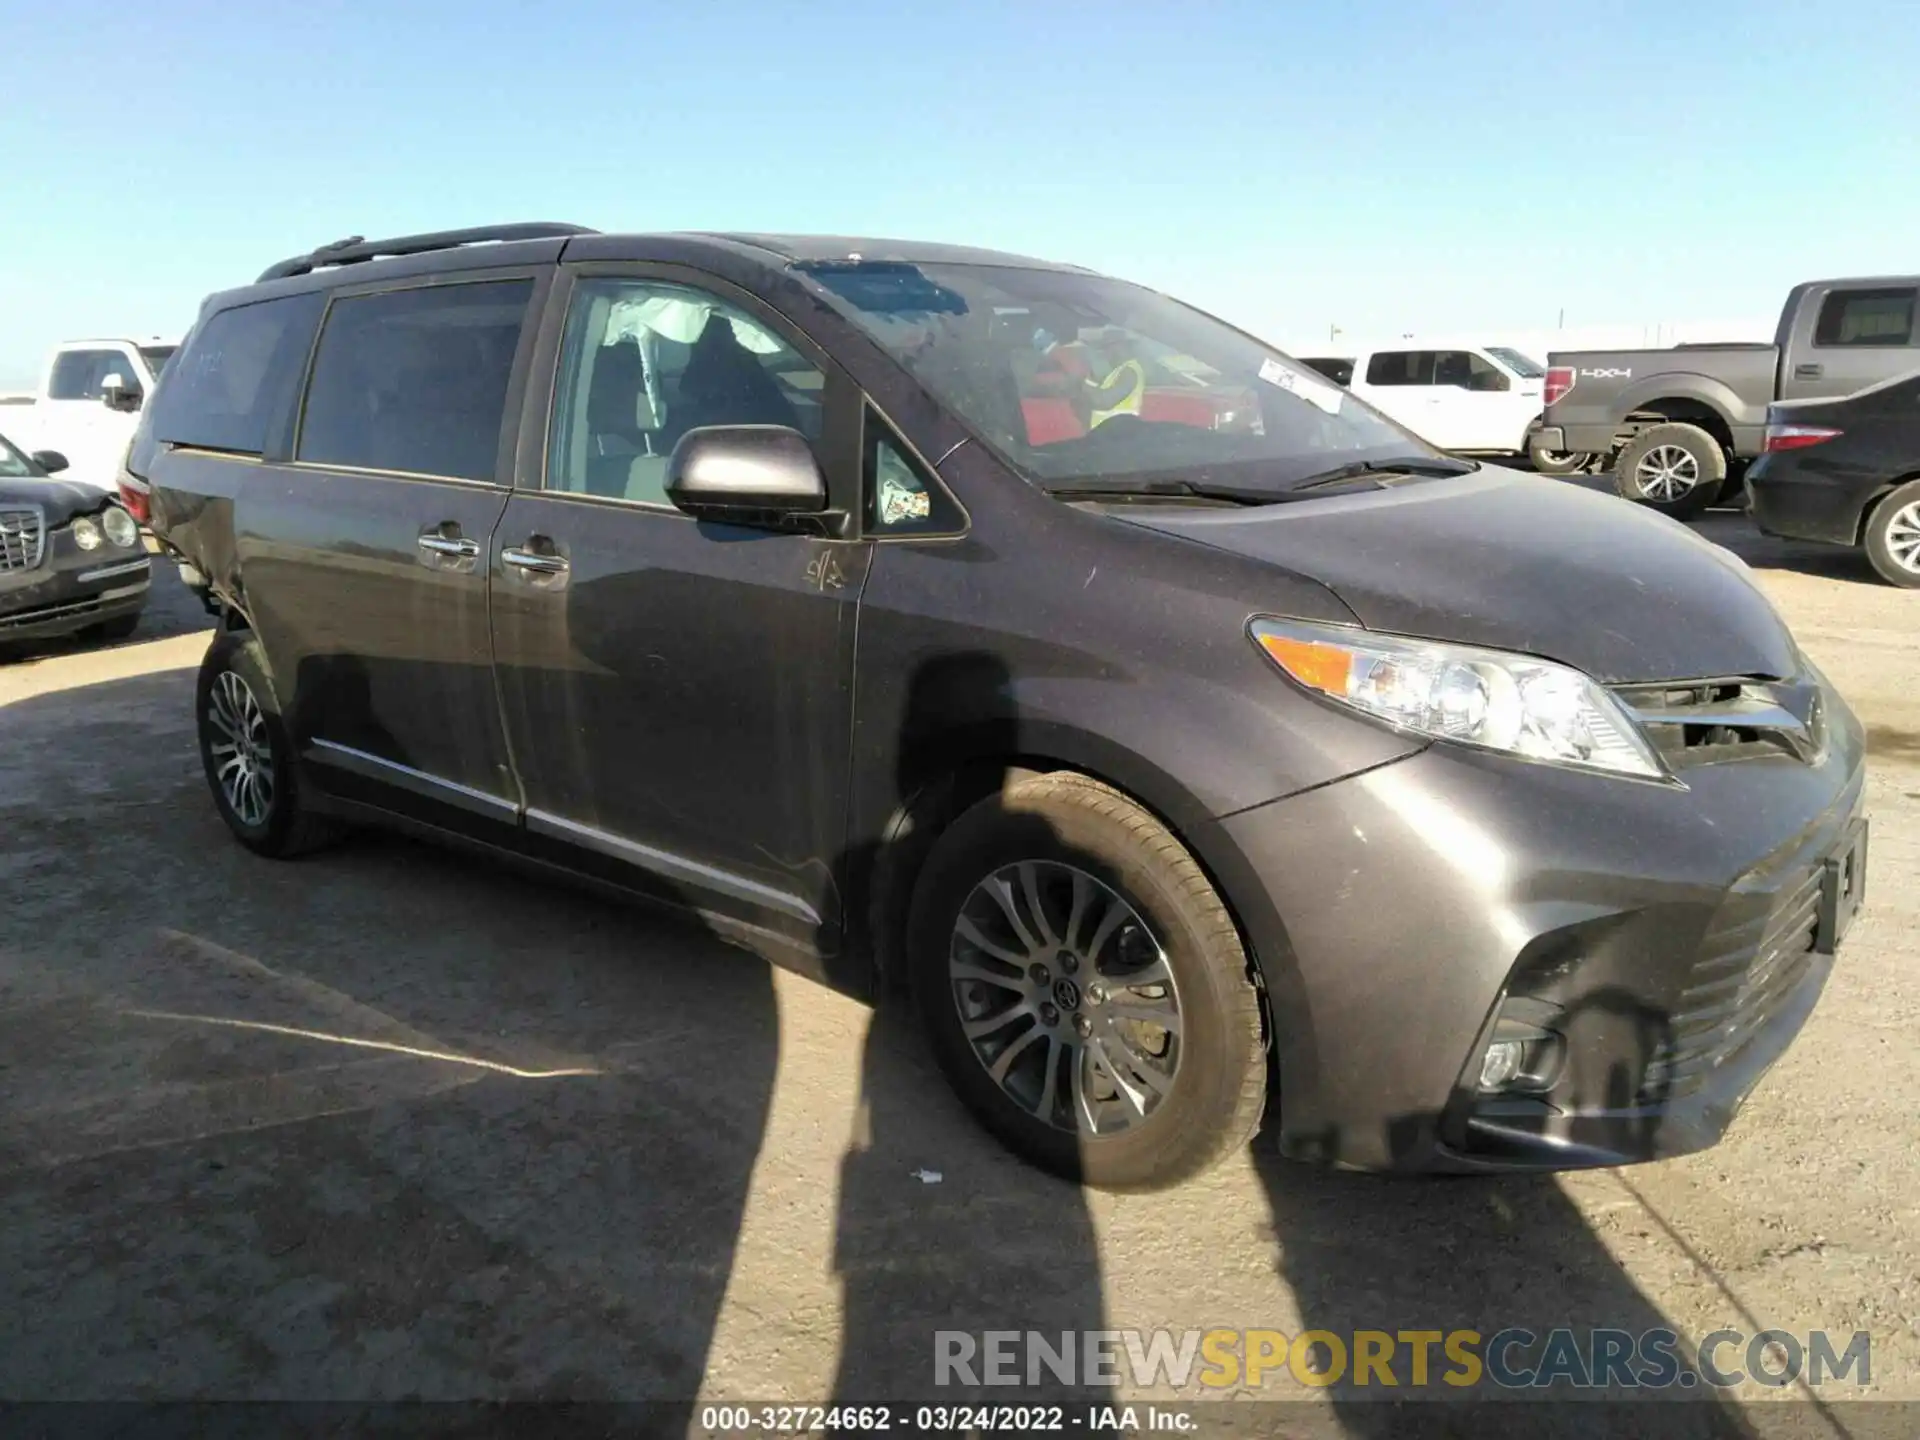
<point x="247" y="755"/>
<point x="1673" y="468"/>
<point x="1893" y="537"/>
<point x="1084" y="988"/>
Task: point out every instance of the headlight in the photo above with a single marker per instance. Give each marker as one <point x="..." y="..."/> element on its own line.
<point x="1488" y="698"/>
<point x="120" y="527"/>
<point x="86" y="534"/>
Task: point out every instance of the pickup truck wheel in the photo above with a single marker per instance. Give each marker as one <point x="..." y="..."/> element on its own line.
<point x="1893" y="537"/>
<point x="1559" y="462"/>
<point x="1676" y="469"/>
<point x="1083" y="987"/>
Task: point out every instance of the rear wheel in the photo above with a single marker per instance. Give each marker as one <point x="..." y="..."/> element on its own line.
<point x="1893" y="537"/>
<point x="1674" y="468"/>
<point x="1084" y="988"/>
<point x="248" y="756"/>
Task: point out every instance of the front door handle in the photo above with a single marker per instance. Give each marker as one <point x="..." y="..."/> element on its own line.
<point x="436" y="544"/>
<point x="1807" y="372"/>
<point x="532" y="562"/>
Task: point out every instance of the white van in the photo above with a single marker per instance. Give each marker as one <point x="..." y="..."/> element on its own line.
<point x="88" y="404"/>
<point x="1474" y="399"/>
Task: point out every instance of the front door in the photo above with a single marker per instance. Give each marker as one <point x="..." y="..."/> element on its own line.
<point x="678" y="695"/>
<point x="364" y="557"/>
<point x="1476" y="405"/>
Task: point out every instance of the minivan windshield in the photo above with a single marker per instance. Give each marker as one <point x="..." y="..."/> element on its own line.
<point x="1088" y="384"/>
<point x="1525" y="366"/>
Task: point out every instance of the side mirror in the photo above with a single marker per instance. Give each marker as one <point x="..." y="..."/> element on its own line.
<point x="117" y="394"/>
<point x="745" y="475"/>
<point x="51" y="461"/>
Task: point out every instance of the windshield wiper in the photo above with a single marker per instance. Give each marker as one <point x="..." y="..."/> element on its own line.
<point x="1158" y="490"/>
<point x="1364" y="469"/>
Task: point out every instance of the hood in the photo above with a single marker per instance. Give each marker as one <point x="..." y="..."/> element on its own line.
<point x="61" y="499"/>
<point x="1517" y="562"/>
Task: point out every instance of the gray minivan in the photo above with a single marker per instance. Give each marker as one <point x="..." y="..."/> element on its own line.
<point x="1187" y="736"/>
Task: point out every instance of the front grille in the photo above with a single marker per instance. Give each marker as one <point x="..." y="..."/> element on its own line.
<point x="1749" y="963"/>
<point x="1699" y="722"/>
<point x="23" y="537"/>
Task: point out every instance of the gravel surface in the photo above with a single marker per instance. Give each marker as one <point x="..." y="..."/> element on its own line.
<point x="481" y="1137"/>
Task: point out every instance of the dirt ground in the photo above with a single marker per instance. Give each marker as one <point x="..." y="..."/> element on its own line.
<point x="386" y="1123"/>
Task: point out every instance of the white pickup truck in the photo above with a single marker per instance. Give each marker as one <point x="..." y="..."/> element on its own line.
<point x="87" y="405"/>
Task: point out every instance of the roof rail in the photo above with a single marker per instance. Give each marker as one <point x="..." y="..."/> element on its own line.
<point x="356" y="248"/>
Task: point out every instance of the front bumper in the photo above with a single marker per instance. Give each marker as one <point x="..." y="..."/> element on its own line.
<point x="1667" y="929"/>
<point x="72" y="589"/>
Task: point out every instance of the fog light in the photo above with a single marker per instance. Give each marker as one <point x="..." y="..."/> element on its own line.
<point x="1501" y="1063"/>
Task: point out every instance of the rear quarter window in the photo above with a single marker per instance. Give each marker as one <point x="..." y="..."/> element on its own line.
<point x="1866" y="318"/>
<point x="233" y="383"/>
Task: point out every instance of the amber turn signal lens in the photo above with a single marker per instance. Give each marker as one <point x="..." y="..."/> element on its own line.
<point x="1320" y="667"/>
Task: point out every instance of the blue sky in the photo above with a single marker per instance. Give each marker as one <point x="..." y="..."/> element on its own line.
<point x="1385" y="166"/>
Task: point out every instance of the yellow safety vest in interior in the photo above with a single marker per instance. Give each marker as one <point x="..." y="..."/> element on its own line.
<point x="1135" y="396"/>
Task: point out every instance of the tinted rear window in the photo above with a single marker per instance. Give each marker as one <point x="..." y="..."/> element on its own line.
<point x="415" y="381"/>
<point x="235" y="378"/>
<point x="1338" y="371"/>
<point x="1401" y="367"/>
<point x="1866" y="317"/>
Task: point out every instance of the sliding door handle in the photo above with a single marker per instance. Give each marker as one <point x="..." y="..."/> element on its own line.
<point x="533" y="563"/>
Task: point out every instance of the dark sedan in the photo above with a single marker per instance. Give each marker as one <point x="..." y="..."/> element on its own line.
<point x="71" y="561"/>
<point x="1847" y="472"/>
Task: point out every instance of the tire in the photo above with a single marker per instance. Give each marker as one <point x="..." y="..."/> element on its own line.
<point x="1074" y="837"/>
<point x="284" y="823"/>
<point x="1893" y="537"/>
<point x="1558" y="462"/>
<point x="1692" y="465"/>
<point x="112" y="630"/>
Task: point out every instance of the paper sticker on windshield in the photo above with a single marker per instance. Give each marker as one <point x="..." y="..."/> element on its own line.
<point x="1314" y="392"/>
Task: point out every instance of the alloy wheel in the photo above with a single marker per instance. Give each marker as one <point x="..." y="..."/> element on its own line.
<point x="1665" y="473"/>
<point x="1066" y="997"/>
<point x="241" y="749"/>
<point x="1903" y="537"/>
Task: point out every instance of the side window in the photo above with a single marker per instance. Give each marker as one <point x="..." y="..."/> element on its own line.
<point x="77" y="373"/>
<point x="1468" y="371"/>
<point x="644" y="362"/>
<point x="901" y="497"/>
<point x="415" y="381"/>
<point x="1401" y="367"/>
<point x="1865" y="317"/>
<point x="236" y="377"/>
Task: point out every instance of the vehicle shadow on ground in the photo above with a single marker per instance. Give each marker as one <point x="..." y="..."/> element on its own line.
<point x="1509" y="1258"/>
<point x="386" y="1123"/>
<point x="391" y="1123"/>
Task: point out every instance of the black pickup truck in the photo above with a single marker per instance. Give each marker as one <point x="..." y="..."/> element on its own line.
<point x="1679" y="425"/>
